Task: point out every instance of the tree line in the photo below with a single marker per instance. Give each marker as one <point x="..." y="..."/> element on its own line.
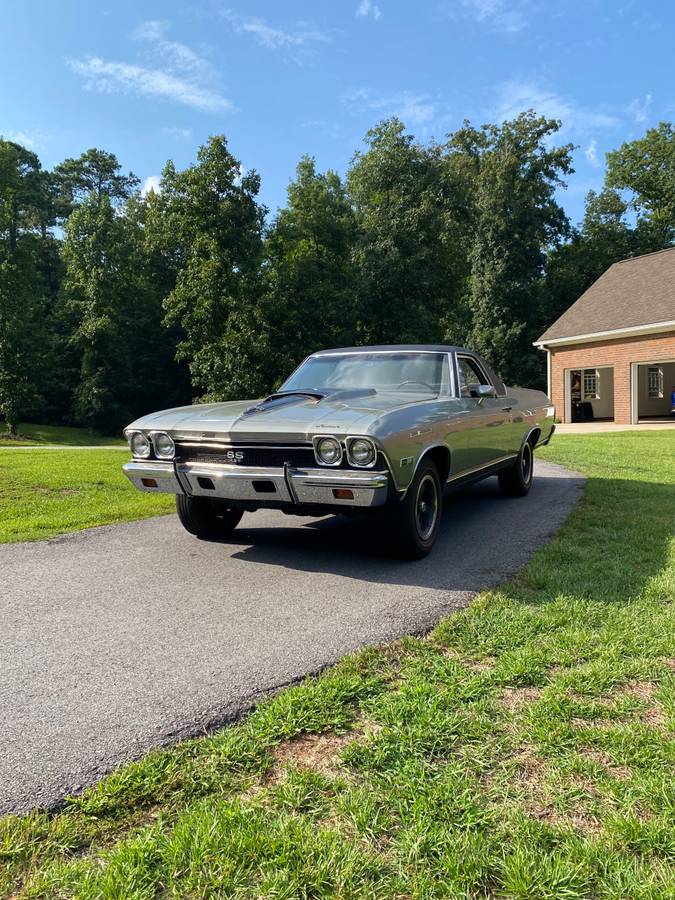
<point x="113" y="304"/>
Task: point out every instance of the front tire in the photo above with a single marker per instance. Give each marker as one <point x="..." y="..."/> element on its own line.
<point x="415" y="520"/>
<point x="516" y="481"/>
<point x="206" y="518"/>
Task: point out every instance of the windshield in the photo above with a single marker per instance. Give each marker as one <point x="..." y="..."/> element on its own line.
<point x="420" y="373"/>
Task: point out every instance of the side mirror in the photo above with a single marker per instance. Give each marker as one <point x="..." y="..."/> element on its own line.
<point x="481" y="391"/>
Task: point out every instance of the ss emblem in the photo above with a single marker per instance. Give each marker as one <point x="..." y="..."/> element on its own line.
<point x="234" y="455"/>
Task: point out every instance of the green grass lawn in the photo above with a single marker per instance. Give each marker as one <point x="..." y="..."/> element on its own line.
<point x="34" y="435"/>
<point x="525" y="748"/>
<point x="47" y="492"/>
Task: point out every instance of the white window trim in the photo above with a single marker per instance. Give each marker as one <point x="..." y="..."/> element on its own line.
<point x="656" y="392"/>
<point x="595" y="393"/>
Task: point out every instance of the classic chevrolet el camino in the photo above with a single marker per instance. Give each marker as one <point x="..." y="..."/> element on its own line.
<point x="353" y="429"/>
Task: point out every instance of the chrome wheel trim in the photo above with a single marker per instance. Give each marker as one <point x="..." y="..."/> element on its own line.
<point x="526" y="463"/>
<point x="426" y="507"/>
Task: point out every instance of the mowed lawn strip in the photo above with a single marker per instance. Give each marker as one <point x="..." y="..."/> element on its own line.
<point x="524" y="748"/>
<point x="30" y="434"/>
<point x="47" y="492"/>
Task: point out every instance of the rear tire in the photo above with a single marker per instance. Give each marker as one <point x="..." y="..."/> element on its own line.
<point x="206" y="518"/>
<point x="415" y="520"/>
<point x="516" y="481"/>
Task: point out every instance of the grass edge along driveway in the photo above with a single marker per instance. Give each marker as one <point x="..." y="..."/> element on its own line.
<point x="45" y="492"/>
<point x="524" y="748"/>
<point x="33" y="435"/>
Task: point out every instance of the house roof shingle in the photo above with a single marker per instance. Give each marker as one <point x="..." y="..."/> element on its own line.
<point x="631" y="293"/>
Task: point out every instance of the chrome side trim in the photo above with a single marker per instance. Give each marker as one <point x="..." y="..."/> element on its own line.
<point x="547" y="440"/>
<point x="424" y="452"/>
<point x="483" y="466"/>
<point x="237" y="445"/>
<point x="527" y="436"/>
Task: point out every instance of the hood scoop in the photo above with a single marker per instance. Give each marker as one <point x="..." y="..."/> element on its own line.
<point x="283" y="398"/>
<point x="288" y="398"/>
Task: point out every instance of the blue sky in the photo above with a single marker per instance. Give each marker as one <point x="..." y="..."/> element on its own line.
<point x="152" y="80"/>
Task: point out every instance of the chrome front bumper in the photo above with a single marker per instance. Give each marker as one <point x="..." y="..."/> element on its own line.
<point x="260" y="485"/>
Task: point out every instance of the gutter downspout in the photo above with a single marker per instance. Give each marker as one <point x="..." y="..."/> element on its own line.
<point x="548" y="366"/>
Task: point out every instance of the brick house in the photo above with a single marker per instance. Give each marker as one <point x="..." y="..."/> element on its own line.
<point x="611" y="356"/>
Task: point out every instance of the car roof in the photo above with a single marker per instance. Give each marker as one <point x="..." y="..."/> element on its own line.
<point x="395" y="348"/>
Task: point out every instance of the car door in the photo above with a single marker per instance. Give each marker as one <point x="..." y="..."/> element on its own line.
<point x="484" y="435"/>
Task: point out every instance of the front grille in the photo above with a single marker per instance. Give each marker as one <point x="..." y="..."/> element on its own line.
<point x="238" y="455"/>
<point x="300" y="456"/>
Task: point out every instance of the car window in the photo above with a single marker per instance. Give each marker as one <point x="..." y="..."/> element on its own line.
<point x="470" y="375"/>
<point x="408" y="371"/>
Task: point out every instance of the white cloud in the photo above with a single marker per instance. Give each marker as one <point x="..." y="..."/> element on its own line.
<point x="151" y="183"/>
<point x="518" y="96"/>
<point x="25" y="138"/>
<point x="591" y="154"/>
<point x="368" y="8"/>
<point x="412" y="109"/>
<point x="301" y="35"/>
<point x="639" y="109"/>
<point x="174" y="131"/>
<point x="502" y="15"/>
<point x="172" y="72"/>
<point x="178" y="56"/>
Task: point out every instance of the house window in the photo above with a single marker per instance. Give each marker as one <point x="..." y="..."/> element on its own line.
<point x="590" y="384"/>
<point x="655" y="382"/>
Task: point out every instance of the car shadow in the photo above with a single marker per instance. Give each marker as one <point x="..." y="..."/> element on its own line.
<point x="484" y="537"/>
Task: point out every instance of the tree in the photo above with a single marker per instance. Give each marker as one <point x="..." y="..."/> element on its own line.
<point x="213" y="228"/>
<point x="409" y="266"/>
<point x="312" y="287"/>
<point x="98" y="292"/>
<point x="23" y="217"/>
<point x="515" y="218"/>
<point x="645" y="168"/>
<point x="94" y="172"/>
<point x="639" y="185"/>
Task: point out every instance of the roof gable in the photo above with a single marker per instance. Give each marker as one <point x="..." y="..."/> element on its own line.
<point x="632" y="293"/>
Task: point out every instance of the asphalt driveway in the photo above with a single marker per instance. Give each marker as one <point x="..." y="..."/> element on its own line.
<point x="118" y="639"/>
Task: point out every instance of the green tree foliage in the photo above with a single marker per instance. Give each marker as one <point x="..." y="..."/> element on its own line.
<point x="311" y="298"/>
<point x="645" y="168"/>
<point x="514" y="219"/>
<point x="93" y="172"/>
<point x="214" y="233"/>
<point x="115" y="300"/>
<point x="409" y="266"/>
<point x="134" y="303"/>
<point x="632" y="215"/>
<point x="24" y="219"/>
<point x="100" y="293"/>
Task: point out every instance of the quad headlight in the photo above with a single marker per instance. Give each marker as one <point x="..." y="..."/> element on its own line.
<point x="164" y="445"/>
<point x="361" y="452"/>
<point x="328" y="451"/>
<point x="139" y="444"/>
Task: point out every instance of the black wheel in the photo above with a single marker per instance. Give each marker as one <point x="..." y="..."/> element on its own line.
<point x="415" y="520"/>
<point x="516" y="481"/>
<point x="206" y="518"/>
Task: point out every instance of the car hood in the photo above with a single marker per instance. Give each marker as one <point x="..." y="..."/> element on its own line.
<point x="290" y="417"/>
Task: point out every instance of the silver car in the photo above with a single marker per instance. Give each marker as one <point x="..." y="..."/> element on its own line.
<point x="361" y="429"/>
